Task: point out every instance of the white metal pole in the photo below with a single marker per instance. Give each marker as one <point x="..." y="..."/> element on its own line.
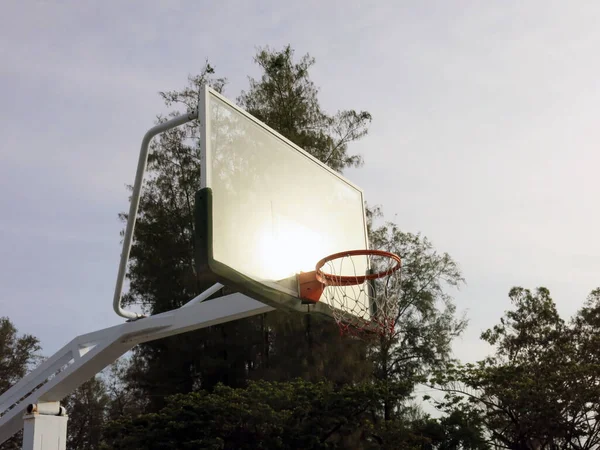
<point x="44" y="431"/>
<point x="135" y="202"/>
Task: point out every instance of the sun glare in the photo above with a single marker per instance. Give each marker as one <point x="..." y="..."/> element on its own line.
<point x="287" y="248"/>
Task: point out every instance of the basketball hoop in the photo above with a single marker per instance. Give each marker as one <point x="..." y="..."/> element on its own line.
<point x="361" y="286"/>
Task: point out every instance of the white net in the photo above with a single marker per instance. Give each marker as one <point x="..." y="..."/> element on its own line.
<point x="363" y="291"/>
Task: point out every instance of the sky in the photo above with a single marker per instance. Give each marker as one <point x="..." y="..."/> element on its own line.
<point x="483" y="138"/>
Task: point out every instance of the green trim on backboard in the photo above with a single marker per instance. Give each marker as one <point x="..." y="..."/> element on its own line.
<point x="211" y="271"/>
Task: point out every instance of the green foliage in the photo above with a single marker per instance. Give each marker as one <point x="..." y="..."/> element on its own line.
<point x="95" y="403"/>
<point x="17" y="355"/>
<point x="125" y="400"/>
<point x="289" y="415"/>
<point x="426" y="322"/>
<point x="542" y="386"/>
<point x="285" y="98"/>
<point x="457" y="431"/>
<point x="312" y="348"/>
<point x="461" y="429"/>
<point x="530" y="328"/>
<point x="87" y="407"/>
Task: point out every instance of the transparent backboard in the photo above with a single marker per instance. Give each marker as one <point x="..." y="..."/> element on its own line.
<point x="268" y="210"/>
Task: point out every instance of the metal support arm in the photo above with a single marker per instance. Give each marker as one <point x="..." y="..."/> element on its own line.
<point x="135" y="202"/>
<point x="88" y="354"/>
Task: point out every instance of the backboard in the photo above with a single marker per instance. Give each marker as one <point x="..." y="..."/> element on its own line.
<point x="267" y="209"/>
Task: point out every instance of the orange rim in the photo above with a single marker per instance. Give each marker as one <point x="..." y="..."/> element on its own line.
<point x="345" y="280"/>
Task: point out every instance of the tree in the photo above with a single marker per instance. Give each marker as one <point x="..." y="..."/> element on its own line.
<point x="286" y="99"/>
<point x="456" y="431"/>
<point x="541" y="388"/>
<point x="426" y="322"/>
<point x="17" y="355"/>
<point x="98" y="401"/>
<point x="87" y="408"/>
<point x="459" y="430"/>
<point x="125" y="399"/>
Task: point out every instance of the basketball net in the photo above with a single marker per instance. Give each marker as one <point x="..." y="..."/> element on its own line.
<point x="363" y="304"/>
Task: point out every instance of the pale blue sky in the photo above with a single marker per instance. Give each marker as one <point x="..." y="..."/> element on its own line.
<point x="484" y="134"/>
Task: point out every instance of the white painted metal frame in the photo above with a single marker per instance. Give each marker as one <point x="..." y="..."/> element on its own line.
<point x="88" y="354"/>
<point x="135" y="202"/>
